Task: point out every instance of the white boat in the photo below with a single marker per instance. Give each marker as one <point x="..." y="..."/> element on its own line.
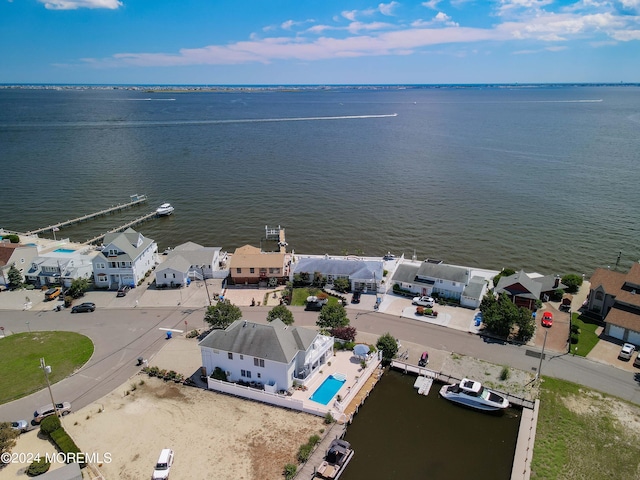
<point x="474" y="395"/>
<point x="164" y="210"/>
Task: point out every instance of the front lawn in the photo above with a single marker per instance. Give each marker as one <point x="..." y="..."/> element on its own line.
<point x="576" y="426"/>
<point x="300" y="296"/>
<point x="587" y="338"/>
<point x="20" y="372"/>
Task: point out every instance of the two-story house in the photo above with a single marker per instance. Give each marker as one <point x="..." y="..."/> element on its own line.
<point x="250" y="265"/>
<point x="440" y="279"/>
<point x="615" y="297"/>
<point x="273" y="355"/>
<point x="17" y="255"/>
<point x="125" y="259"/>
<point x="60" y="267"/>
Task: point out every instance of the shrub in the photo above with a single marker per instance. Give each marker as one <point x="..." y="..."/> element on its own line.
<point x="290" y="471"/>
<point x="419" y="310"/>
<point x="219" y="374"/>
<point x="38" y="467"/>
<point x="304" y="452"/>
<point x="575" y="328"/>
<point x="328" y="418"/>
<point x="49" y="424"/>
<point x="574" y="338"/>
<point x="314" y="440"/>
<point x="344" y="333"/>
<point x="505" y="373"/>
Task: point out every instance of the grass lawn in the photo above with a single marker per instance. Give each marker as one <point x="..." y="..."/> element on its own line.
<point x="20" y="354"/>
<point x="300" y="296"/>
<point x="587" y="338"/>
<point x="584" y="434"/>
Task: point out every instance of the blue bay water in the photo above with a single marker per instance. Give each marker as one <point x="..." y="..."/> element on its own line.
<point x="541" y="178"/>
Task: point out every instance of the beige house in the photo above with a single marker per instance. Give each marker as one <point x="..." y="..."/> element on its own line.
<point x="250" y="266"/>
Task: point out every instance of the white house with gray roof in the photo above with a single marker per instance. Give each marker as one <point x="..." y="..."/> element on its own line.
<point x="364" y="275"/>
<point x="443" y="280"/>
<point x="124" y="260"/>
<point x="191" y="261"/>
<point x="274" y="355"/>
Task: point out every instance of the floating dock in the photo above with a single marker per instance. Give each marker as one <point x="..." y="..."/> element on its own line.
<point x="423" y="384"/>
<point x="135" y="200"/>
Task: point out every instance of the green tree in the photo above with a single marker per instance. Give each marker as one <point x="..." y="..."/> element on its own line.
<point x="14" y="277"/>
<point x="526" y="325"/>
<point x="78" y="287"/>
<point x="7" y="437"/>
<point x="389" y="346"/>
<point x="342" y="284"/>
<point x="319" y="280"/>
<point x="572" y="281"/>
<point x="504" y="273"/>
<point x="499" y="316"/>
<point x="281" y="312"/>
<point x="332" y="316"/>
<point x="222" y="314"/>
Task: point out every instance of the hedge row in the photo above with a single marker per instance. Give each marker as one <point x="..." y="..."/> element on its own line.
<point x="51" y="427"/>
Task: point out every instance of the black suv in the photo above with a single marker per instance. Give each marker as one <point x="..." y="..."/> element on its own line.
<point x="356" y="297"/>
<point x="84" y="307"/>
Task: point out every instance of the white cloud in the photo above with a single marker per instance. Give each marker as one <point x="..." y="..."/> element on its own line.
<point x="432" y="4"/>
<point x="387" y="8"/>
<point x="442" y="17"/>
<point x="76" y="4"/>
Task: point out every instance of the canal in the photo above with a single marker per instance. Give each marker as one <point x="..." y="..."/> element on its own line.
<point x="401" y="434"/>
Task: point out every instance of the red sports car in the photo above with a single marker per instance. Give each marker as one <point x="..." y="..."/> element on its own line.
<point x="547" y="319"/>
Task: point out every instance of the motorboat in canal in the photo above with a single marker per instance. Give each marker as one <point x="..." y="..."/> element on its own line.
<point x="472" y="394"/>
<point x="164" y="210"/>
<point x="338" y="456"/>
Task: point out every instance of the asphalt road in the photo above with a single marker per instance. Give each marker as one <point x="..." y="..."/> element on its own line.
<point x="122" y="335"/>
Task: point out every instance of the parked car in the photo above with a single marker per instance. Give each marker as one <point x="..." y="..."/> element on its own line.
<point x="314" y="303"/>
<point x="52" y="293"/>
<point x="122" y="291"/>
<point x="163" y="466"/>
<point x="547" y="319"/>
<point x="627" y="351"/>
<point x="355" y="298"/>
<point x="20" y="425"/>
<point x="64" y="408"/>
<point x="636" y="362"/>
<point x="423" y="301"/>
<point x="84" y="307"/>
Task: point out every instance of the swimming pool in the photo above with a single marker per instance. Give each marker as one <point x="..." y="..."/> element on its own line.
<point x="64" y="250"/>
<point x="325" y="392"/>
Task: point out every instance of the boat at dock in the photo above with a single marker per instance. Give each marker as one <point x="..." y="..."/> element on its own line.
<point x="338" y="456"/>
<point x="472" y="394"/>
<point x="164" y="210"/>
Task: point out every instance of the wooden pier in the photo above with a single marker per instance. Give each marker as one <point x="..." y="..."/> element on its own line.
<point x="135" y="200"/>
<point x="446" y="378"/>
<point x="138" y="220"/>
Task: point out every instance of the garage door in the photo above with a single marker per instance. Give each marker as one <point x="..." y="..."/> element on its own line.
<point x="634" y="337"/>
<point x="616" y="332"/>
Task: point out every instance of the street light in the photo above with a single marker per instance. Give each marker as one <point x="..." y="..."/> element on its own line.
<point x="46" y="369"/>
<point x="542" y="355"/>
<point x="205" y="284"/>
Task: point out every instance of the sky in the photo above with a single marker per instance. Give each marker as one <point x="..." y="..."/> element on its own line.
<point x="326" y="42"/>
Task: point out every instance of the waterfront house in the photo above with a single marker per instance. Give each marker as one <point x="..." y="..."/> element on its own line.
<point x="60" y="267"/>
<point x="249" y="265"/>
<point x="125" y="259"/>
<point x="191" y="261"/>
<point x="442" y="280"/>
<point x="526" y="289"/>
<point x="272" y="356"/>
<point x="363" y="275"/>
<point x="17" y="255"/>
<point x="615" y="298"/>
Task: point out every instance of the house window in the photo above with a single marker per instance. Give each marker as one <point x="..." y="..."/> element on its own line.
<point x="241" y="357"/>
<point x="258" y="362"/>
<point x="259" y="375"/>
<point x="230" y="355"/>
<point x="454" y="284"/>
<point x="248" y="374"/>
<point x="274" y="270"/>
<point x="440" y="281"/>
<point x="252" y="270"/>
<point x="101" y="266"/>
<point x="243" y="373"/>
<point x="238" y="270"/>
<point x="174" y="275"/>
<point x="165" y="275"/>
<point x="599" y="295"/>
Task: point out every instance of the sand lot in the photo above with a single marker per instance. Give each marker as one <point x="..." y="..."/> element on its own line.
<point x="213" y="435"/>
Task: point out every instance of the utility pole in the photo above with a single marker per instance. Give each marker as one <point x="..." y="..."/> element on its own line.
<point x="541" y="355"/>
<point x="204" y="279"/>
<point x="46" y="369"/>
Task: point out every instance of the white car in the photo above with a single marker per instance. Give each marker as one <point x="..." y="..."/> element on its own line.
<point x="423" y="301"/>
<point x="627" y="351"/>
<point x="20" y="425"/>
<point x="63" y="408"/>
<point x="162" y="468"/>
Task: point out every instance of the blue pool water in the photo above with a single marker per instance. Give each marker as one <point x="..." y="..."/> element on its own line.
<point x="64" y="250"/>
<point x="325" y="392"/>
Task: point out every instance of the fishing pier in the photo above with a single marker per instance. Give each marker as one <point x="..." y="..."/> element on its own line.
<point x="135" y="200"/>
<point x="138" y="220"/>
